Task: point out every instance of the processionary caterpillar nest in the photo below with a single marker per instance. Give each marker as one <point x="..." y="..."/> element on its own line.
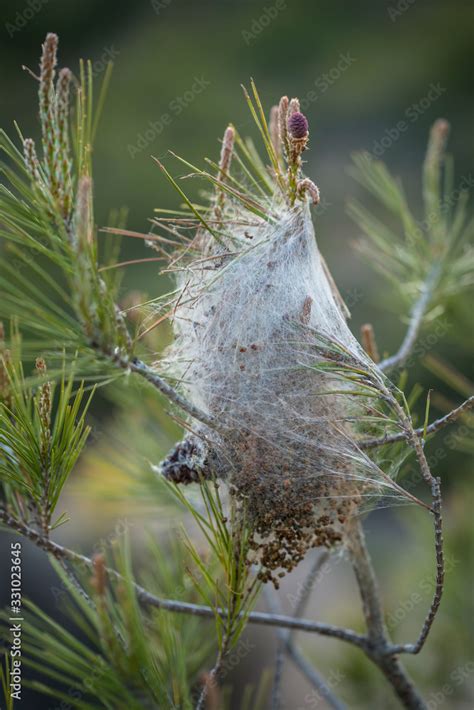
<point x="255" y="301"/>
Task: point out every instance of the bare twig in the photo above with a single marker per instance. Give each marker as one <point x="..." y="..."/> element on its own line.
<point x="151" y="376"/>
<point x="213" y="694"/>
<point x="285" y="640"/>
<point x="278" y="673"/>
<point x="212" y="678"/>
<point x="416" y="319"/>
<point x="148" y="599"/>
<point x="439" y="584"/>
<point x="286" y="645"/>
<point x="282" y="639"/>
<point x="381" y="651"/>
<point x="141" y="368"/>
<point x="310" y="581"/>
<point x="313" y="677"/>
<point x="435" y="486"/>
<point x="367" y="583"/>
<point x="431" y="429"/>
<point x="401" y="682"/>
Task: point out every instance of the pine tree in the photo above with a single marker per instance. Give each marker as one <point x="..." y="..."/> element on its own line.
<point x="293" y="430"/>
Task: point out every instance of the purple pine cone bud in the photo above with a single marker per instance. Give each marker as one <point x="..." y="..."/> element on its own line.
<point x="297" y="125"/>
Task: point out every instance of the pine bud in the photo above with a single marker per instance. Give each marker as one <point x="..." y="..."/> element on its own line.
<point x="298" y="125"/>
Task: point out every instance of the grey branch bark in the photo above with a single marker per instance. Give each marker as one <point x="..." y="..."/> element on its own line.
<point x="148" y="599"/>
<point x="439" y="581"/>
<point x="286" y="645"/>
<point x="435" y="426"/>
<point x="376" y="644"/>
<point x="141" y="368"/>
<point x="416" y="319"/>
<point x="313" y="677"/>
<point x="380" y="651"/>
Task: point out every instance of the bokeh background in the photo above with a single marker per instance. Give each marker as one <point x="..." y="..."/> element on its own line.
<point x="359" y="69"/>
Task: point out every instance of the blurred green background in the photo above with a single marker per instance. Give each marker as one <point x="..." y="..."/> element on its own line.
<point x="362" y="71"/>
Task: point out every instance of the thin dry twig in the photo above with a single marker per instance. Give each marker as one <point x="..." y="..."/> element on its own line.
<point x="312" y="578"/>
<point x="381" y="651"/>
<point x="430" y="617"/>
<point x="211" y="681"/>
<point x="287" y="646"/>
<point x="148" y="599"/>
<point x="313" y="677"/>
<point x="417" y="314"/>
<point x="141" y="368"/>
<point x="285" y="638"/>
<point x="435" y="485"/>
<point x="421" y="431"/>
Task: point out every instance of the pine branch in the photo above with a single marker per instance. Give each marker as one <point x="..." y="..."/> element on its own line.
<point x="376" y="645"/>
<point x="141" y="368"/>
<point x="50" y="212"/>
<point x="435" y="486"/>
<point x="287" y="646"/>
<point x="314" y="678"/>
<point x="285" y="638"/>
<point x="148" y="599"/>
<point x="432" y="256"/>
<point x="439" y="583"/>
<point x="39" y="443"/>
<point x="380" y="650"/>
<point x="435" y="426"/>
<point x="416" y="320"/>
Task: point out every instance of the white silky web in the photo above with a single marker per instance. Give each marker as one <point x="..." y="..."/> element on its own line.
<point x="246" y="325"/>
